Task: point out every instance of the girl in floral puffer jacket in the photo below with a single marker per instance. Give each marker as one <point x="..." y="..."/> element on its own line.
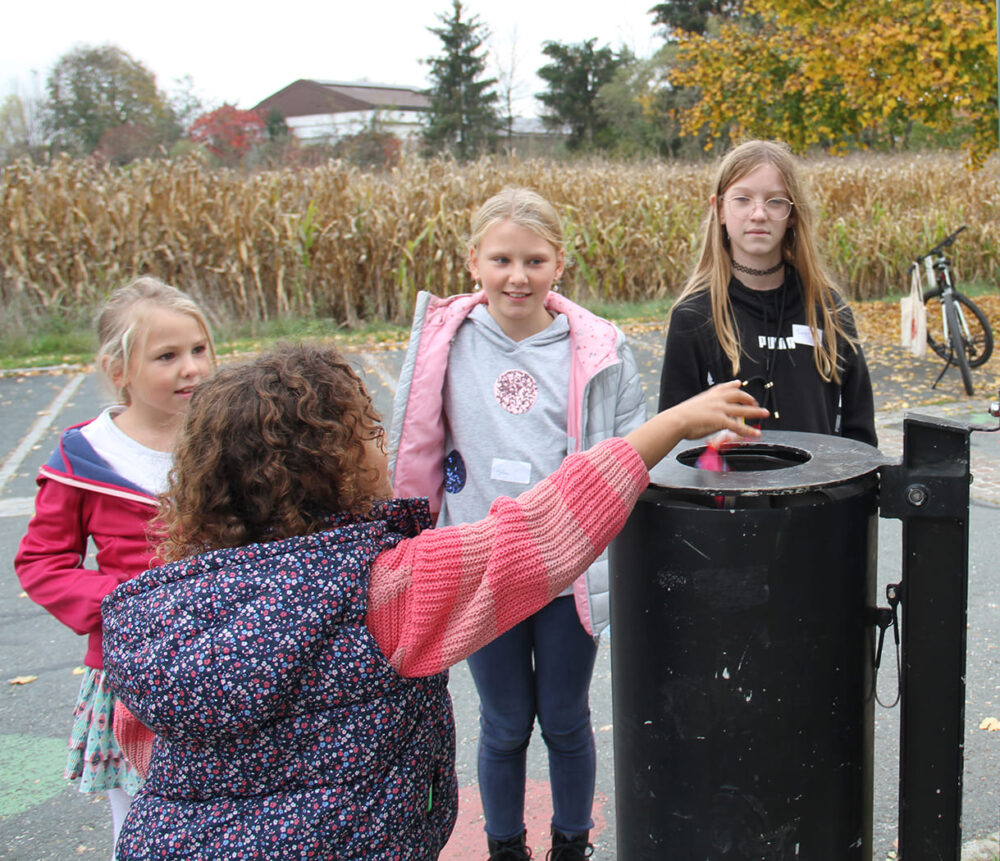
<point x="291" y="655"/>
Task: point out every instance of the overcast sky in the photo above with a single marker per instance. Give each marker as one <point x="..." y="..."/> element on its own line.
<point x="242" y="53"/>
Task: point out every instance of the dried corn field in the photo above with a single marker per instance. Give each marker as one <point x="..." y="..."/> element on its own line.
<point x="337" y="243"/>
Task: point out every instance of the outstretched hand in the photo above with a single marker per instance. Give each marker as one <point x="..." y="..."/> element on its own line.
<point x="722" y="407"/>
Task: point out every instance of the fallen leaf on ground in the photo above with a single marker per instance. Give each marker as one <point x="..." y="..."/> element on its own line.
<point x="990" y="724"/>
<point x="22" y="680"/>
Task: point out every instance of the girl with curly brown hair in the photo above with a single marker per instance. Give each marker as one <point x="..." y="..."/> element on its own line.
<point x="291" y="656"/>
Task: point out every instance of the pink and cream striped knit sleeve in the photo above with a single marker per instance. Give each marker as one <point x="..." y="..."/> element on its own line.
<point x="436" y="598"/>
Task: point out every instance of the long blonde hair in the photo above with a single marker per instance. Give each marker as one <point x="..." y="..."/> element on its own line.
<point x="713" y="270"/>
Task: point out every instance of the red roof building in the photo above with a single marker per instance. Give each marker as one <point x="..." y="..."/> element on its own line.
<point x="332" y="109"/>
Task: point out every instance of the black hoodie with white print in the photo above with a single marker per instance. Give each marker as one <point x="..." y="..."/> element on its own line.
<point x="777" y="361"/>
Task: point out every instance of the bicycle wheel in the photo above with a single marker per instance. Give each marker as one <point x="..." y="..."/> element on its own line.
<point x="979" y="337"/>
<point x="959" y="343"/>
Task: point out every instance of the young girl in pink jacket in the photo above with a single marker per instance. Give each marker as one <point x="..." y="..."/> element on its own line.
<point x="497" y="388"/>
<point x="100" y="485"/>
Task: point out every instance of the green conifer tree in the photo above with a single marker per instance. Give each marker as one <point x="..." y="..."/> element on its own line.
<point x="463" y="116"/>
<point x="574" y="77"/>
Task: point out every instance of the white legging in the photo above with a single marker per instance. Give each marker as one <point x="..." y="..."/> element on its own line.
<point x="120" y="803"/>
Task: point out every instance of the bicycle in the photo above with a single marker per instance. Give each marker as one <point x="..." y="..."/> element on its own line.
<point x="964" y="335"/>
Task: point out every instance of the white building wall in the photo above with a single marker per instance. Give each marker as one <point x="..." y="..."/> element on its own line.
<point x="332" y="127"/>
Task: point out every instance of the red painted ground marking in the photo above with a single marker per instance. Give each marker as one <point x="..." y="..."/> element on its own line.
<point x="468" y="840"/>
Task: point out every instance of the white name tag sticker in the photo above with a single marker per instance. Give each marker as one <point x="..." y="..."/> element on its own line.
<point x="516" y="471"/>
<point x="803" y="335"/>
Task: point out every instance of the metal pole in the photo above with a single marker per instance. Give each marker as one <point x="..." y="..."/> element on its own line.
<point x="929" y="492"/>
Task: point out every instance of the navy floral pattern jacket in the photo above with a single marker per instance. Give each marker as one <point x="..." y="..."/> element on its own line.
<point x="282" y="730"/>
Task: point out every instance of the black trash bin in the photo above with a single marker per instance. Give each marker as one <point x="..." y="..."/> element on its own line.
<point x="742" y="651"/>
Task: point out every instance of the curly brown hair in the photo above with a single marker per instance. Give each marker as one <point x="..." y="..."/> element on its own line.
<point x="270" y="449"/>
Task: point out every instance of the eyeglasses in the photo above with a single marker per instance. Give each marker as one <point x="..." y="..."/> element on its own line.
<point x="777" y="208"/>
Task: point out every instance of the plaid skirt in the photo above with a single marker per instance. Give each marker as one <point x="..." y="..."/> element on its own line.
<point x="94" y="756"/>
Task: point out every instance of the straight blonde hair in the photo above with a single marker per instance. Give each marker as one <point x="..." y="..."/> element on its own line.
<point x="713" y="271"/>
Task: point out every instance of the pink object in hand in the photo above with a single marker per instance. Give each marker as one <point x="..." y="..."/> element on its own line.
<point x="711" y="458"/>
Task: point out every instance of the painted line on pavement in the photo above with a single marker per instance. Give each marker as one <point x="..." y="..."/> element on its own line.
<point x="41" y="425"/>
<point x="384" y="373"/>
<point x="17" y="506"/>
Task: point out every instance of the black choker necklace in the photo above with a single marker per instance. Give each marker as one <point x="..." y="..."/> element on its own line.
<point x="747" y="270"/>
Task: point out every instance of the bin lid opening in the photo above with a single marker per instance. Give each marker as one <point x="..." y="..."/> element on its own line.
<point x="751" y="457"/>
<point x="780" y="462"/>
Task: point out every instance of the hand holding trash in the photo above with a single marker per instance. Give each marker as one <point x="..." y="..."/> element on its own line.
<point x="723" y="407"/>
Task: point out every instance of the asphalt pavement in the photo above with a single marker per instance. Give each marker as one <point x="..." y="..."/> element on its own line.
<point x="43" y="817"/>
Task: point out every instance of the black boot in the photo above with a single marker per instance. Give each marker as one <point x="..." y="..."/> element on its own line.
<point x="509" y="850"/>
<point x="575" y="848"/>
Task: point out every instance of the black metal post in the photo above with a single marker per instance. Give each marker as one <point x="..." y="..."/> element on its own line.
<point x="929" y="492"/>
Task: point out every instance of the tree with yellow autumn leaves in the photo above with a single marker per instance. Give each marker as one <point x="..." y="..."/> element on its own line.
<point x="840" y="74"/>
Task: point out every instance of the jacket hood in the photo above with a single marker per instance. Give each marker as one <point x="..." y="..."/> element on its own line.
<point x="490" y="329"/>
<point x="404" y="517"/>
<point x="75" y="462"/>
<point x="595" y="340"/>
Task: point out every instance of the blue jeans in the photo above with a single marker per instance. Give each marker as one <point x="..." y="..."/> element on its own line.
<point x="541" y="666"/>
